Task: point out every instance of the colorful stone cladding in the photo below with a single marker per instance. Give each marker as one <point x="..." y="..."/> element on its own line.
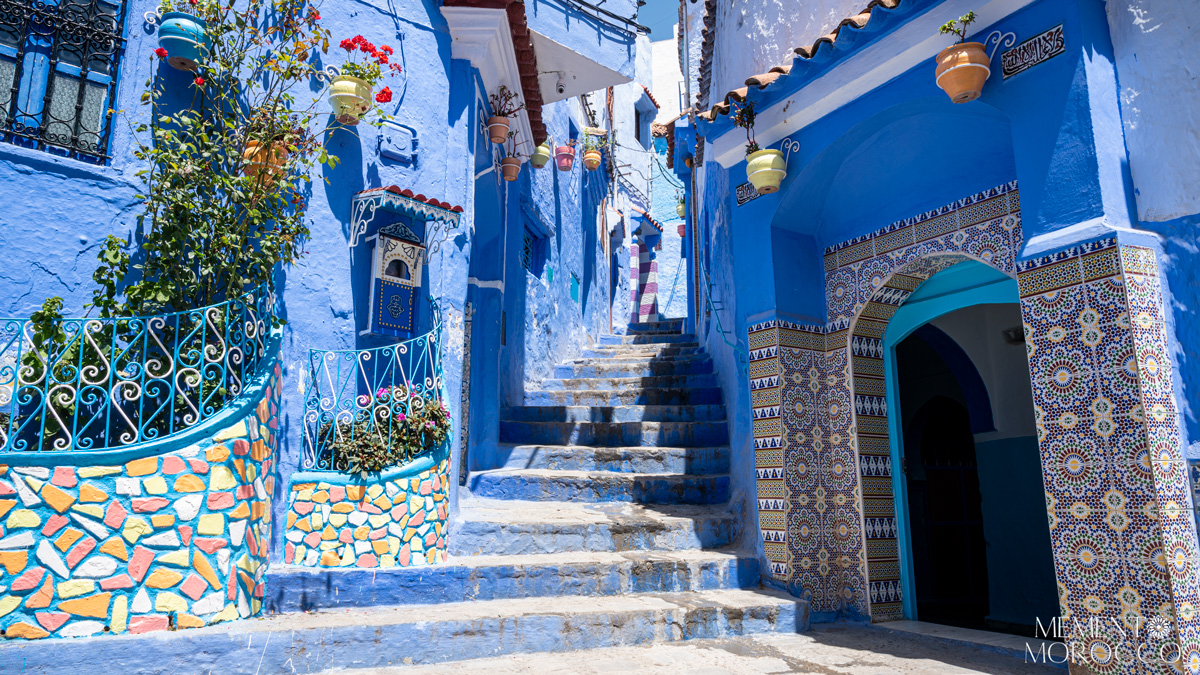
<point x="177" y="540"/>
<point x="1117" y="490"/>
<point x="819" y="412"/>
<point x="393" y="523"/>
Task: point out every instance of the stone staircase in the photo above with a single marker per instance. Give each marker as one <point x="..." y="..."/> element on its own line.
<point x="607" y="525"/>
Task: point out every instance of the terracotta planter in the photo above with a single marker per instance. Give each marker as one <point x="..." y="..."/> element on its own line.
<point x="766" y="170"/>
<point x="564" y="156"/>
<point x="680" y="210"/>
<point x="498" y="129"/>
<point x="591" y="159"/>
<point x="185" y="37"/>
<point x="962" y="70"/>
<point x="350" y="97"/>
<point x="682" y="229"/>
<point x="540" y="156"/>
<point x="510" y="168"/>
<point x="263" y="160"/>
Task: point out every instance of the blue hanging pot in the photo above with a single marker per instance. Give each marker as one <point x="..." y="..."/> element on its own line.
<point x="185" y="37"/>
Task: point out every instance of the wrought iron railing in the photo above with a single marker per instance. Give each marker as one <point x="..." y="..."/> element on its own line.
<point x="377" y="398"/>
<point x="95" y="384"/>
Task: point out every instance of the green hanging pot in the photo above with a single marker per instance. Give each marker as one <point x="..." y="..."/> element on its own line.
<point x="540" y="156"/>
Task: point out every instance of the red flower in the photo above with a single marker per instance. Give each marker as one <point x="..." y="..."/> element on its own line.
<point x="160" y="53"/>
<point x="381" y="57"/>
<point x="316" y="16"/>
<point x="347" y="44"/>
<point x="384" y="95"/>
<point x="386" y="49"/>
<point x="192" y="2"/>
<point x="199" y="81"/>
<point x="395" y="67"/>
<point x="359" y="40"/>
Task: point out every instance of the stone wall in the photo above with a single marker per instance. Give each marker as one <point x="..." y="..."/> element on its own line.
<point x="168" y="541"/>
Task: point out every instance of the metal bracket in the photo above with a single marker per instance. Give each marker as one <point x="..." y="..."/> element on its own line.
<point x="1009" y="39"/>
<point x="327" y="74"/>
<point x="788" y="147"/>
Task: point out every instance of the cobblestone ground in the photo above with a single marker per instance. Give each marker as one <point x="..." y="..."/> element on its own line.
<point x="827" y="650"/>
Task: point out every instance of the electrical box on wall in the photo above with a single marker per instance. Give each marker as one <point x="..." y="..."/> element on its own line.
<point x="396" y="279"/>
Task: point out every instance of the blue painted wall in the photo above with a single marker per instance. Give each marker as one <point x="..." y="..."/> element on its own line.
<point x="672" y="259"/>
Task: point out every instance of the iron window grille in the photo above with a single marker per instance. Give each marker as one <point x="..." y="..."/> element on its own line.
<point x="527" y="251"/>
<point x="58" y="73"/>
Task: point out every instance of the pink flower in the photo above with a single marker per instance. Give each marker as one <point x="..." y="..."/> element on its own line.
<point x="429" y="425"/>
<point x="401" y="417"/>
<point x="384" y="95"/>
<point x="160" y="53"/>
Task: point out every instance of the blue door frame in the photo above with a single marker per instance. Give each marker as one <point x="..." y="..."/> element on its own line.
<point x="963" y="285"/>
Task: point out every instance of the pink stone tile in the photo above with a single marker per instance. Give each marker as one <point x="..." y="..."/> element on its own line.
<point x="379" y="533"/>
<point x="52" y="621"/>
<point x="259" y="589"/>
<point x="119" y="581"/>
<point x="437" y="482"/>
<point x="442" y="511"/>
<point x="417" y="519"/>
<point x="241" y="447"/>
<point x="172" y="465"/>
<point x="312" y="539"/>
<point x="81" y="551"/>
<point x="194" y="586"/>
<point x="367" y="560"/>
<point x="210" y="546"/>
<point x="368" y="507"/>
<point x="185" y="533"/>
<point x="398" y="512"/>
<point x="232" y="587"/>
<point x="6" y="489"/>
<point x="289" y="553"/>
<point x="146" y="624"/>
<point x="53" y="525"/>
<point x="29" y="580"/>
<point x="149" y="504"/>
<point x="302" y="508"/>
<point x="198" y="466"/>
<point x="404" y="557"/>
<point x="139" y="562"/>
<point x="346" y="536"/>
<point x="337" y="493"/>
<point x="220" y="500"/>
<point x="426" y="487"/>
<point x="245" y="492"/>
<point x="430" y="539"/>
<point x="115" y="515"/>
<point x="64" y="476"/>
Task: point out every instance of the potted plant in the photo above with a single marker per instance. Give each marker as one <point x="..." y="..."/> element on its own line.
<point x="591" y="151"/>
<point x="350" y="92"/>
<point x="963" y="67"/>
<point x="504" y="105"/>
<point x="680" y="205"/>
<point x="184" y="36"/>
<point x="765" y="169"/>
<point x="564" y="156"/>
<point x="540" y="155"/>
<point x="510" y="166"/>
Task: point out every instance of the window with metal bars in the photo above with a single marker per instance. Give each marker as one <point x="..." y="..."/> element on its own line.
<point x="527" y="250"/>
<point x="58" y="73"/>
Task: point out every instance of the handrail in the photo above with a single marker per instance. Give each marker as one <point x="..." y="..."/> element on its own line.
<point x="373" y="401"/>
<point x="91" y="384"/>
<point x="712" y="309"/>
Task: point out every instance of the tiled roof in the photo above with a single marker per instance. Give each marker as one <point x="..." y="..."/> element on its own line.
<point x="526" y="58"/>
<point x="708" y="38"/>
<point x="803" y="53"/>
<point x="395" y="189"/>
<point x="652" y="99"/>
<point x="646" y="215"/>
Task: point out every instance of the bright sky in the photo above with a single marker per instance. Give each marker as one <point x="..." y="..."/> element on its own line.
<point x="659" y="16"/>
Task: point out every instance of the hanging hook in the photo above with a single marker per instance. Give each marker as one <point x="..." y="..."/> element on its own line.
<point x="1009" y="39"/>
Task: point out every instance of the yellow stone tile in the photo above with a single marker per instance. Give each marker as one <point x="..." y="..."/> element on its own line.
<point x="93" y="510"/>
<point x="73" y="587"/>
<point x="142" y="467"/>
<point x="120" y="615"/>
<point x="155" y="485"/>
<point x="177" y="558"/>
<point x="228" y="614"/>
<point x="211" y="524"/>
<point x="97" y="471"/>
<point x="163" y="578"/>
<point x="22" y="518"/>
<point x="221" y="478"/>
<point x="236" y="431"/>
<point x="135" y="528"/>
<point x="8" y="603"/>
<point x="379" y="520"/>
<point x="337" y="519"/>
<point x="169" y="602"/>
<point x="90" y="493"/>
<point x="189" y="483"/>
<point x="387" y="561"/>
<point x="374" y="491"/>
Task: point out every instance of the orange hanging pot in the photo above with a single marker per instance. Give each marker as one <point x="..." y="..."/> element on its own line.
<point x="961" y="71"/>
<point x="498" y="129"/>
<point x="264" y="160"/>
<point x="591" y="159"/>
<point x="510" y="168"/>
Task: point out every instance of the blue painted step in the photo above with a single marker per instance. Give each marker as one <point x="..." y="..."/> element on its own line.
<point x="504" y="577"/>
<point x="624" y="413"/>
<point x="670" y="325"/>
<point x="497" y="527"/>
<point x="611" y="434"/>
<point x="646" y="339"/>
<point x="604" y="368"/>
<point x="696" y="461"/>
<point x="630" y="383"/>
<point x="597" y="486"/>
<point x="642" y="351"/>
<point x="628" y="396"/>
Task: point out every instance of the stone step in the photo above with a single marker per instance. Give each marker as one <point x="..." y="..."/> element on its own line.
<point x="631" y="383"/>
<point x="672" y="338"/>
<point x="600" y="486"/>
<point x="615" y="434"/>
<point x="592" y="357"/>
<point x="623" y="413"/>
<point x="640" y="351"/>
<point x="630" y="396"/>
<point x="378" y="637"/>
<point x="647" y="368"/>
<point x="502" y="577"/>
<point x="667" y="325"/>
<point x="495" y="527"/>
<point x="695" y="461"/>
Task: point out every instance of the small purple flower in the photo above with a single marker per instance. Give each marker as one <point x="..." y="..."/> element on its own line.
<point x="429" y="425"/>
<point x="402" y="417"/>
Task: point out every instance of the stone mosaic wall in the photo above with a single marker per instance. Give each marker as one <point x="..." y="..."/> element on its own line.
<point x="393" y="523"/>
<point x="1117" y="491"/>
<point x="177" y="540"/>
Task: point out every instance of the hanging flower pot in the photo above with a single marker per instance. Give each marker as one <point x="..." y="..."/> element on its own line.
<point x="680" y="210"/>
<point x="961" y="71"/>
<point x="498" y="128"/>
<point x="185" y="37"/>
<point x="510" y="167"/>
<point x="264" y="160"/>
<point x="564" y="156"/>
<point x="682" y="229"/>
<point x="540" y="156"/>
<point x="766" y="170"/>
<point x="350" y="97"/>
<point x="591" y="159"/>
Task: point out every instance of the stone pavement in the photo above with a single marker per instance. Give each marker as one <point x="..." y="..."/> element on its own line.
<point x="827" y="649"/>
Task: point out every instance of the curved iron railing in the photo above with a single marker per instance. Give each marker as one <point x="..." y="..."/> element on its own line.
<point x="95" y="384"/>
<point x="376" y="391"/>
